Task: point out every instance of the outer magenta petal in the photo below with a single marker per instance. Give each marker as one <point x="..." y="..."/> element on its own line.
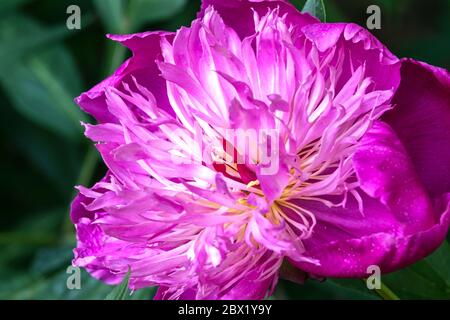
<point x="389" y="251"/>
<point x="385" y="172"/>
<point x="238" y="14"/>
<point x="421" y="119"/>
<point x="398" y="225"/>
<point x="146" y="48"/>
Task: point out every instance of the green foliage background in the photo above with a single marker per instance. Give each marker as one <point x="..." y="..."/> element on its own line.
<point x="43" y="66"/>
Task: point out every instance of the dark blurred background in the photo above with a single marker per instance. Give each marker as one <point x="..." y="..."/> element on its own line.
<point x="43" y="66"/>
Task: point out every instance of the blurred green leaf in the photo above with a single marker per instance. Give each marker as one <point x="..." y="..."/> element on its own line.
<point x="45" y="154"/>
<point x="426" y="279"/>
<point x="143" y="294"/>
<point x="120" y="292"/>
<point x="52" y="286"/>
<point x="42" y="85"/>
<point x="20" y="238"/>
<point x="328" y="289"/>
<point x="355" y="285"/>
<point x="19" y="35"/>
<point x="182" y="18"/>
<point x="40" y="95"/>
<point x="8" y="5"/>
<point x="121" y="16"/>
<point x="112" y="14"/>
<point x="40" y="229"/>
<point x="50" y="259"/>
<point x="47" y="278"/>
<point x="19" y="244"/>
<point x="316" y="8"/>
<point x="439" y="261"/>
<point x="41" y="81"/>
<point x="151" y="11"/>
<point x="42" y="150"/>
<point x="360" y="285"/>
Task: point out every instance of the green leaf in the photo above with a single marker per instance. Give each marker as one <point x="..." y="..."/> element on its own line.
<point x="47" y="277"/>
<point x="328" y="289"/>
<point x="39" y="94"/>
<point x="316" y="8"/>
<point x="355" y="285"/>
<point x="41" y="85"/>
<point x="57" y="159"/>
<point x="426" y="279"/>
<point x="439" y="262"/>
<point x="121" y="291"/>
<point x="20" y="35"/>
<point x="112" y="15"/>
<point x="151" y="11"/>
<point x="143" y="294"/>
<point x="50" y="259"/>
<point x="7" y="5"/>
<point x="51" y="286"/>
<point x="40" y="227"/>
<point x="119" y="16"/>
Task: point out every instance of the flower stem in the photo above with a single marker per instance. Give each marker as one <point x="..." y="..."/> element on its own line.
<point x="386" y="293"/>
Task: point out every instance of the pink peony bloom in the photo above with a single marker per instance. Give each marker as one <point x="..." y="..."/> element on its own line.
<point x="259" y="135"/>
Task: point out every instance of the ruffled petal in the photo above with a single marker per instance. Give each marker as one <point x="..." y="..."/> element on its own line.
<point x="238" y="14"/>
<point x="250" y="288"/>
<point x="364" y="49"/>
<point x="92" y="244"/>
<point x="141" y="66"/>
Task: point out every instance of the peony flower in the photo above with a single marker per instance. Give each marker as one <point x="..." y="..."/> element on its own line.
<point x="259" y="135"/>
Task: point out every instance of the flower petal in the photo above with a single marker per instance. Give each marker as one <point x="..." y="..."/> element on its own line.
<point x="421" y="119"/>
<point x="238" y="14"/>
<point x="399" y="223"/>
<point x="385" y="172"/>
<point x="248" y="288"/>
<point x="163" y="292"/>
<point x="146" y="48"/>
<point x="385" y="250"/>
<point x="91" y="241"/>
<point x="364" y="48"/>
